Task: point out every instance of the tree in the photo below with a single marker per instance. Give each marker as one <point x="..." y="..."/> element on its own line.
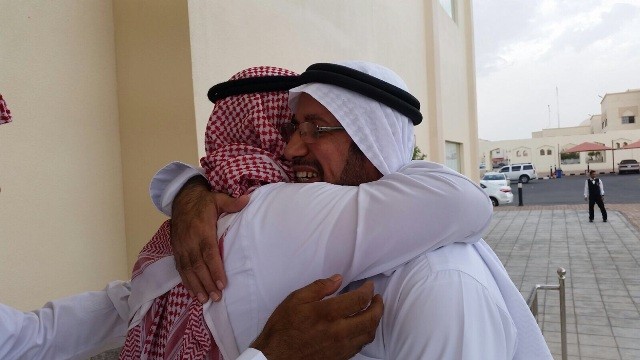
<point x="417" y="154"/>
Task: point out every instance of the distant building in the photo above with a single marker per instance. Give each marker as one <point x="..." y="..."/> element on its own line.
<point x="615" y="127"/>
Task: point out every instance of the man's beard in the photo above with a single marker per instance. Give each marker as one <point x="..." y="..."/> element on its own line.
<point x="354" y="172"/>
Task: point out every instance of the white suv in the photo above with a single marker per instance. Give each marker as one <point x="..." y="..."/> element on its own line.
<point x="520" y="172"/>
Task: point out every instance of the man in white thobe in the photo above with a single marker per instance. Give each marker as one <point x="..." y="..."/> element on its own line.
<point x="456" y="302"/>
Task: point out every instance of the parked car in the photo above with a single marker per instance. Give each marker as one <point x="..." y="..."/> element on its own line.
<point x="496" y="185"/>
<point x="520" y="172"/>
<point x="628" y="166"/>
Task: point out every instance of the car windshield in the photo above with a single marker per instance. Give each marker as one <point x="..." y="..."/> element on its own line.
<point x="493" y="177"/>
<point x="628" y="161"/>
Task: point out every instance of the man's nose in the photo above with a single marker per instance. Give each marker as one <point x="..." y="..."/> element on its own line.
<point x="295" y="147"/>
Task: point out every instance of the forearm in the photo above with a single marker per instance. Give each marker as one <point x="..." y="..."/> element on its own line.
<point x="73" y="327"/>
<point x="169" y="181"/>
<point x="363" y="231"/>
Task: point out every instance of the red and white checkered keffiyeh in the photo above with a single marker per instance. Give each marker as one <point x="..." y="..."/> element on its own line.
<point x="5" y="113"/>
<point x="243" y="151"/>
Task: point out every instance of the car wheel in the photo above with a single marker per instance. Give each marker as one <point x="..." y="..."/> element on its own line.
<point x="494" y="201"/>
<point x="524" y="179"/>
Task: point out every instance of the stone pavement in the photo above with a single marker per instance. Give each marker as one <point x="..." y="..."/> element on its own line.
<point x="603" y="273"/>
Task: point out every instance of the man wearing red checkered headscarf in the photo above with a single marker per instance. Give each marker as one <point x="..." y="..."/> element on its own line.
<point x="243" y="150"/>
<point x="5" y="113"/>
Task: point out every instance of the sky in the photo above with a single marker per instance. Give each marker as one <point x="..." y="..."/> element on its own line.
<point x="525" y="49"/>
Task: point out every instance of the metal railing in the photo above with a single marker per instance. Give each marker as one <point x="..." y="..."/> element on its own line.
<point x="532" y="301"/>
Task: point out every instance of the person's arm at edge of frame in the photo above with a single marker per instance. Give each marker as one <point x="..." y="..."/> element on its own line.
<point x="89" y="323"/>
<point x="77" y="326"/>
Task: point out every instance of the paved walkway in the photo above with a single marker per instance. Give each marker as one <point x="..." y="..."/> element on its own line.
<point x="603" y="273"/>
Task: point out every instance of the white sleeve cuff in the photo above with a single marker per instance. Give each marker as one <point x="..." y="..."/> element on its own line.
<point x="167" y="182"/>
<point x="251" y="354"/>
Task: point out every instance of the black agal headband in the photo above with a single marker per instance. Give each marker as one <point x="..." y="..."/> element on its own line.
<point x="252" y="85"/>
<point x="367" y="85"/>
<point x="333" y="74"/>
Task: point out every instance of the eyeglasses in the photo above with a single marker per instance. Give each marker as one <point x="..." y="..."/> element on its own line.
<point x="309" y="132"/>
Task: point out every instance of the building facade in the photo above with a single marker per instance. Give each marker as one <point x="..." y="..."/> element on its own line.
<point x="616" y="127"/>
<point x="104" y="93"/>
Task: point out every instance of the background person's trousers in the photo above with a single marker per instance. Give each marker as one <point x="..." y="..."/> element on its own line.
<point x="597" y="200"/>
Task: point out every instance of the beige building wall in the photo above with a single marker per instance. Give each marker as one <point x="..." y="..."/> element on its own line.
<point x="229" y="36"/>
<point x="417" y="39"/>
<point x="156" y="104"/>
<point x="61" y="204"/>
<point x="451" y="114"/>
<point x="595" y="122"/>
<point x="567" y="131"/>
<point x="616" y="105"/>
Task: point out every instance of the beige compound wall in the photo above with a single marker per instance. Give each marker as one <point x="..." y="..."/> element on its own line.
<point x="61" y="204"/>
<point x="155" y="95"/>
<point x="229" y="36"/>
<point x="616" y="105"/>
<point x="559" y="143"/>
<point x="417" y="39"/>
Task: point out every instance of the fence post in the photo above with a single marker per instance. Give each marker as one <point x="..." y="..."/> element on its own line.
<point x="563" y="312"/>
<point x="519" y="193"/>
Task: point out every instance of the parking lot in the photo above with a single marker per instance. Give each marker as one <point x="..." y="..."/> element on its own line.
<point x="619" y="189"/>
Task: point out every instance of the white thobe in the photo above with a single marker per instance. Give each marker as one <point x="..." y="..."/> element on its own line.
<point x="75" y="327"/>
<point x="449" y="296"/>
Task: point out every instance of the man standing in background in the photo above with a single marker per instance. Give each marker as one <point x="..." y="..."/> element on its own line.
<point x="594" y="192"/>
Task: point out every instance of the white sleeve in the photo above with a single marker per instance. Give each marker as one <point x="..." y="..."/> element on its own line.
<point x="586" y="188"/>
<point x="447" y="315"/>
<point x="168" y="181"/>
<point x="601" y="188"/>
<point x="366" y="230"/>
<point x="251" y="354"/>
<point x="75" y="327"/>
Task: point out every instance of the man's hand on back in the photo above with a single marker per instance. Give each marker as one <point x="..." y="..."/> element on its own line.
<point x="194" y="237"/>
<point x="304" y="326"/>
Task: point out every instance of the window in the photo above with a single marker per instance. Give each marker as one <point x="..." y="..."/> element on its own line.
<point x="628" y="119"/>
<point x="624" y="143"/>
<point x="452" y="153"/>
<point x="516" y="168"/>
<point x="528" y="167"/>
<point x="617" y="145"/>
<point x="449" y="7"/>
<point x="548" y="151"/>
<point x="541" y="152"/>
<point x="494" y="177"/>
<point x="518" y="153"/>
<point x="525" y="153"/>
<point x="504" y="169"/>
